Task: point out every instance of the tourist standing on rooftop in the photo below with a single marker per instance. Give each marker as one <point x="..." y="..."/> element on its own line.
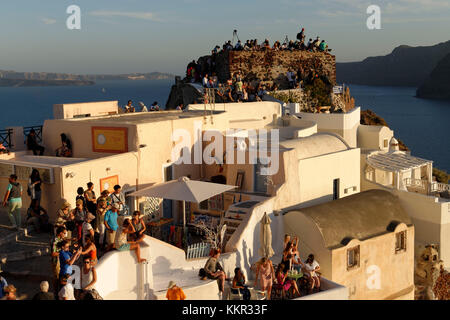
<point x="61" y="235"/>
<point x="118" y="197"/>
<point x="91" y="200"/>
<point x="13" y="198"/>
<point x="102" y="208"/>
<point x="34" y="186"/>
<point x="89" y="249"/>
<point x="67" y="259"/>
<point x="80" y="215"/>
<point x="87" y="228"/>
<point x="33" y="145"/>
<point x="111" y="225"/>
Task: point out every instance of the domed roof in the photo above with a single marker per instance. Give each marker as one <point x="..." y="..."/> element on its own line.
<point x="316" y="145"/>
<point x="360" y="216"/>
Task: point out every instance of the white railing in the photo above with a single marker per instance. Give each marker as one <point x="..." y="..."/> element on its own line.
<point x="439" y="187"/>
<point x="198" y="250"/>
<point x="427" y="186"/>
<point x="416" y="183"/>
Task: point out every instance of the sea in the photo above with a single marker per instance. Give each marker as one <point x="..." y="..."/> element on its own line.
<point x="423" y="125"/>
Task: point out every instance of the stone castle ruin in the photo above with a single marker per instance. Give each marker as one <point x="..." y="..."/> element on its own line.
<point x="270" y="67"/>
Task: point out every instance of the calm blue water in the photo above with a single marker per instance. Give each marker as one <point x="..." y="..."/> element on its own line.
<point x="29" y="106"/>
<point x="423" y="125"/>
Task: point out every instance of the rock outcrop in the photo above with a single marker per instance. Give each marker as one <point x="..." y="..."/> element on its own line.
<point x="405" y="66"/>
<point x="437" y="86"/>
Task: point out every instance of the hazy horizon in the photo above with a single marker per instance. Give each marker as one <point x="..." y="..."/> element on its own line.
<point x="119" y="37"/>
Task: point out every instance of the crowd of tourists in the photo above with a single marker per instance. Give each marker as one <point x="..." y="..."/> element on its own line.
<point x="95" y="225"/>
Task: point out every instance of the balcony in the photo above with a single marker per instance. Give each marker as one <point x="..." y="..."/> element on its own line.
<point x="434" y="188"/>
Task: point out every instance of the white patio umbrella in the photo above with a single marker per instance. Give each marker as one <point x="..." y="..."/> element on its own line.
<point x="184" y="189"/>
<point x="265" y="250"/>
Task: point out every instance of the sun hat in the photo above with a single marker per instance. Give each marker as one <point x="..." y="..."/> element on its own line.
<point x="65" y="205"/>
<point x="90" y="216"/>
<point x="116" y="206"/>
<point x="171" y="285"/>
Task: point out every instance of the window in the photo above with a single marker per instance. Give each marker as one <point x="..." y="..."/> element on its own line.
<point x="400" y="241"/>
<point x="353" y="258"/>
<point x="385" y="143"/>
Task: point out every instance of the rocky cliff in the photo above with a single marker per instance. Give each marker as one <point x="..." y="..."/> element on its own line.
<point x="437" y="85"/>
<point x="405" y="66"/>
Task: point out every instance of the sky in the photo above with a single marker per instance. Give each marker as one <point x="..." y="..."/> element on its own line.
<point x="124" y="36"/>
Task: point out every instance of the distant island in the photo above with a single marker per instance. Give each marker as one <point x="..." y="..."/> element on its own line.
<point x="43" y="83"/>
<point x="21" y="79"/>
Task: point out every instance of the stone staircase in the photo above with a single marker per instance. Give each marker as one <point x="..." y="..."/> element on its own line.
<point x="22" y="244"/>
<point x="234" y="216"/>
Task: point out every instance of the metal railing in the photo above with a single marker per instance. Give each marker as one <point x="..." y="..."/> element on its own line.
<point x="6" y="138"/>
<point x="198" y="250"/>
<point x="37" y="129"/>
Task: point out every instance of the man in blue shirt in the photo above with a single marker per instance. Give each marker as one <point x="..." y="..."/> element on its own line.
<point x="111" y="225"/>
<point x="66" y="259"/>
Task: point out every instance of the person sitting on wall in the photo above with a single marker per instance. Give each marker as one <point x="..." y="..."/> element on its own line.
<point x="238" y="284"/>
<point x="143" y="107"/>
<point x="129" y="107"/>
<point x="121" y="242"/>
<point x="154" y="106"/>
<point x="322" y="46"/>
<point x="180" y="107"/>
<point x="311" y="269"/>
<point x="66" y="147"/>
<point x="37" y="217"/>
<point x="3" y="149"/>
<point x="301" y="35"/>
<point x="33" y="145"/>
<point x="214" y="270"/>
<point x="139" y="226"/>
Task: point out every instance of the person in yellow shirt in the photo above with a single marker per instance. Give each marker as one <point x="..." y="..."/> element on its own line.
<point x="174" y="292"/>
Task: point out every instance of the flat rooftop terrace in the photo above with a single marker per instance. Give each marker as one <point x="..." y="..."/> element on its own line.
<point x="21" y="158"/>
<point x="145" y="117"/>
